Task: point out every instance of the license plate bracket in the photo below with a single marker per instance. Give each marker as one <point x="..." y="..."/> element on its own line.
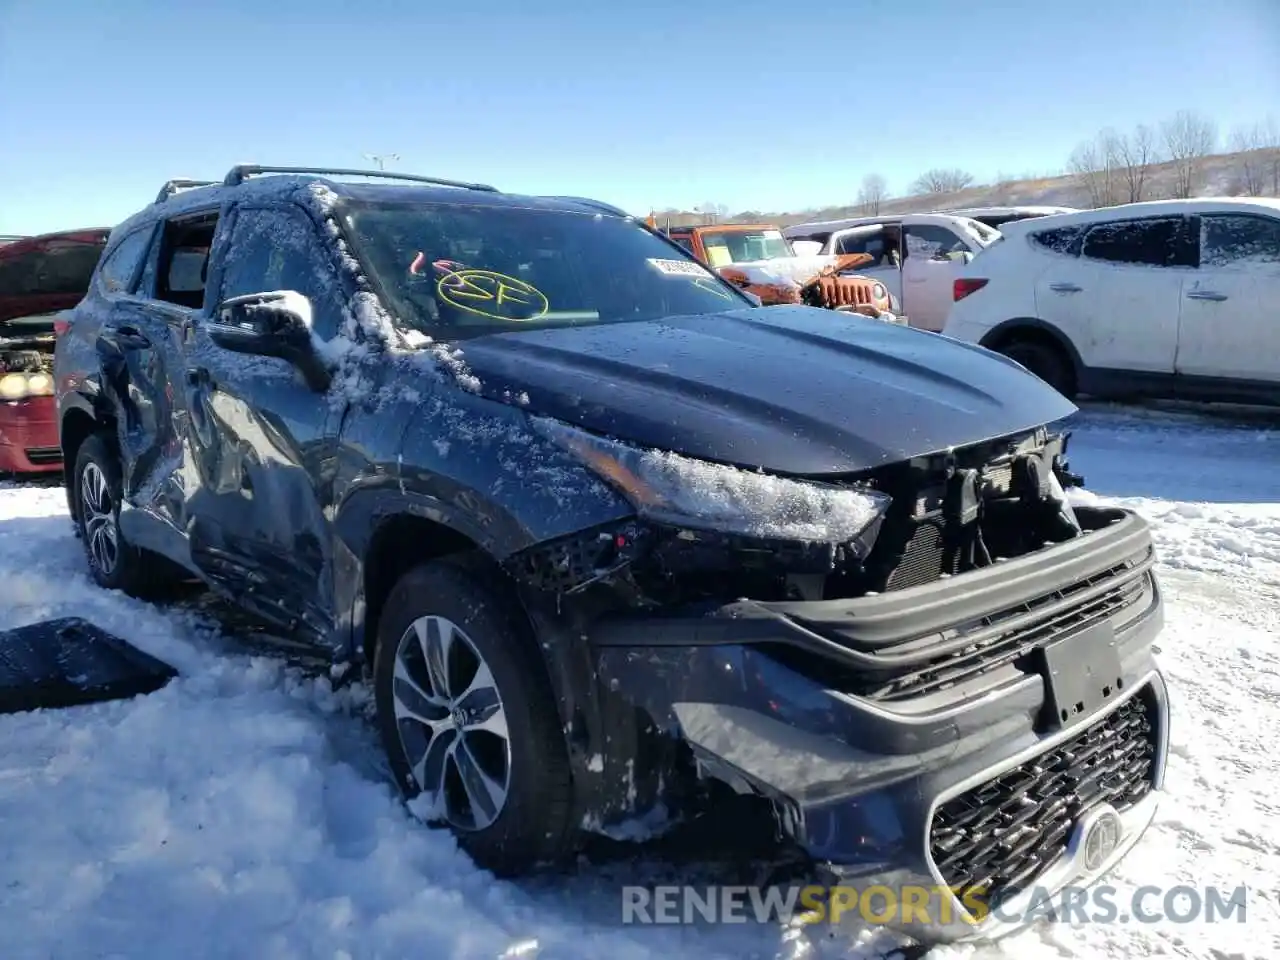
<point x="1081" y="673"/>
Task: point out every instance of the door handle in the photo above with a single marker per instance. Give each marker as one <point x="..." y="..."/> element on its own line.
<point x="1206" y="295"/>
<point x="1064" y="288"/>
<point x="198" y="377"/>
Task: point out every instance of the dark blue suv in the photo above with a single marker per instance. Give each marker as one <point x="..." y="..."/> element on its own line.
<point x="609" y="539"/>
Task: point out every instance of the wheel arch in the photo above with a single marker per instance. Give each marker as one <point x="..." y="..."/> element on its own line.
<point x="78" y="422"/>
<point x="1034" y="330"/>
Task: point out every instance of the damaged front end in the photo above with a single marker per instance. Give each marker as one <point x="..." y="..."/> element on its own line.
<point x="28" y="421"/>
<point x="939" y="689"/>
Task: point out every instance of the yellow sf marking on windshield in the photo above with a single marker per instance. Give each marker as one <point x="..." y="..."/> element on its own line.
<point x="504" y="297"/>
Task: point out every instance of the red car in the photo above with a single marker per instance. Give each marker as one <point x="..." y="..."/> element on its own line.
<point x="39" y="276"/>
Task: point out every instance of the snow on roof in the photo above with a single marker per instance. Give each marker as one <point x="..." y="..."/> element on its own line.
<point x="1266" y="206"/>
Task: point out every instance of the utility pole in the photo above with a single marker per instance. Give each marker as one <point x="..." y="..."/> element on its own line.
<point x="381" y="158"/>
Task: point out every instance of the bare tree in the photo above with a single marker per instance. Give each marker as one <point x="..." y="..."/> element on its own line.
<point x="1188" y="139"/>
<point x="872" y="194"/>
<point x="1270" y="146"/>
<point x="939" y="180"/>
<point x="1093" y="164"/>
<point x="1250" y="160"/>
<point x="1134" y="155"/>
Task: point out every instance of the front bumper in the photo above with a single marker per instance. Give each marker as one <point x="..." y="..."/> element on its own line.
<point x="915" y="740"/>
<point x="29" y="436"/>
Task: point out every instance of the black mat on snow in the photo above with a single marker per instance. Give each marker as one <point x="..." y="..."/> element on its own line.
<point x="70" y="662"/>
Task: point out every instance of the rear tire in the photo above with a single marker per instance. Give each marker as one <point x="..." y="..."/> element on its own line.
<point x="489" y="711"/>
<point x="114" y="564"/>
<point x="1048" y="363"/>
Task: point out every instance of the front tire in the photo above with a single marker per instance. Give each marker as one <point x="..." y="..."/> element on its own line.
<point x="97" y="488"/>
<point x="468" y="719"/>
<point x="1048" y="363"/>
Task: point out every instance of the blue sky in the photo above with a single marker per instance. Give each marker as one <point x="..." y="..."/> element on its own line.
<point x="767" y="105"/>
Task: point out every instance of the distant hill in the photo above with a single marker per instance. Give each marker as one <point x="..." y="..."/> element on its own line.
<point x="1216" y="175"/>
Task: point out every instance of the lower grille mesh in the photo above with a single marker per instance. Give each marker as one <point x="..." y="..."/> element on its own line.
<point x="998" y="838"/>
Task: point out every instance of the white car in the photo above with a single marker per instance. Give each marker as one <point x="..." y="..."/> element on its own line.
<point x="1168" y="299"/>
<point x="916" y="256"/>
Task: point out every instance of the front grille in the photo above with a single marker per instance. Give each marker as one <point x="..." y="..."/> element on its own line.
<point x="994" y="648"/>
<point x="44" y="456"/>
<point x="999" y="837"/>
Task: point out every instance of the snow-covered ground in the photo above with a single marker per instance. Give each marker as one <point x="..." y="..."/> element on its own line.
<point x="242" y="812"/>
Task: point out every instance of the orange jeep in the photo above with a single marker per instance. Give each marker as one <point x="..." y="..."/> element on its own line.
<point x="760" y="260"/>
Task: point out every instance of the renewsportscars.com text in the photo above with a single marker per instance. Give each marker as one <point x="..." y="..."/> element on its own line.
<point x="879" y="905"/>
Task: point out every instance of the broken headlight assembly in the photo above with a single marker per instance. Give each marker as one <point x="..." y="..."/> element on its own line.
<point x="23" y="386"/>
<point x="696" y="495"/>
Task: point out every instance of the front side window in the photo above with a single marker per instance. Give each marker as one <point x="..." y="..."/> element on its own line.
<point x="276" y="248"/>
<point x="1153" y="243"/>
<point x="931" y="242"/>
<point x="1236" y="240"/>
<point x="453" y="270"/>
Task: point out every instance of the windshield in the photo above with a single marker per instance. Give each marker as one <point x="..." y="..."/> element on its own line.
<point x="742" y="246"/>
<point x="452" y="270"/>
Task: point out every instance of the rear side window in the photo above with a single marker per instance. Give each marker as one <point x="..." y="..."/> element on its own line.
<point x="121" y="265"/>
<point x="1152" y="243"/>
<point x="1239" y="240"/>
<point x="1060" y="240"/>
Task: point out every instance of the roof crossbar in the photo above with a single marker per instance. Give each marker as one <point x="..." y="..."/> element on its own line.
<point x="242" y="171"/>
<point x="173" y="186"/>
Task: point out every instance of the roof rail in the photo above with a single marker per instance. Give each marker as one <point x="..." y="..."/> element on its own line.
<point x="181" y="183"/>
<point x="240" y="172"/>
<point x="598" y="204"/>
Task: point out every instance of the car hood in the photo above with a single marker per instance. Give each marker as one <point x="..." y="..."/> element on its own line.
<point x="792" y="390"/>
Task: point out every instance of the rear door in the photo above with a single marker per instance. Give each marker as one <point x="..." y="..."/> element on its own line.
<point x="152" y="326"/>
<point x="1231" y="303"/>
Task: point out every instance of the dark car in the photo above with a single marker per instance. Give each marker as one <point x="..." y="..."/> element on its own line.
<point x="608" y="539"/>
<point x="39" y="276"/>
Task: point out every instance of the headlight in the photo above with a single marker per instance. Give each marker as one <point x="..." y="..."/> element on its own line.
<point x="673" y="489"/>
<point x="879" y="291"/>
<point x="20" y="386"/>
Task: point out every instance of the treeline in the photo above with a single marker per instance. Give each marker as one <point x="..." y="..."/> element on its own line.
<point x="1183" y="156"/>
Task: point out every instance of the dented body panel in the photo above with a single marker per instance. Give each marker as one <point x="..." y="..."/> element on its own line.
<point x="854" y="689"/>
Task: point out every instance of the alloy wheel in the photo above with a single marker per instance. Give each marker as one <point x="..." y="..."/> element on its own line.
<point x="452" y="724"/>
<point x="98" y="514"/>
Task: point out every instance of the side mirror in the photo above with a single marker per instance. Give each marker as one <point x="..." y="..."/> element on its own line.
<point x="274" y="324"/>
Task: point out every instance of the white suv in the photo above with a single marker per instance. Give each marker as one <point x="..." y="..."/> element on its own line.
<point x="1171" y="299"/>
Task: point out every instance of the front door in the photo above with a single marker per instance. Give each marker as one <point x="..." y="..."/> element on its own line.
<point x="931" y="256"/>
<point x="1231" y="305"/>
<point x="259" y="440"/>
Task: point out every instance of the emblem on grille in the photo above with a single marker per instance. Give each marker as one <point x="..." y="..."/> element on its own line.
<point x="1096" y="837"/>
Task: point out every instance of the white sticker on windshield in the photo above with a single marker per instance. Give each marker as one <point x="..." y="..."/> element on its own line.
<point x="772" y="234"/>
<point x="679" y="268"/>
